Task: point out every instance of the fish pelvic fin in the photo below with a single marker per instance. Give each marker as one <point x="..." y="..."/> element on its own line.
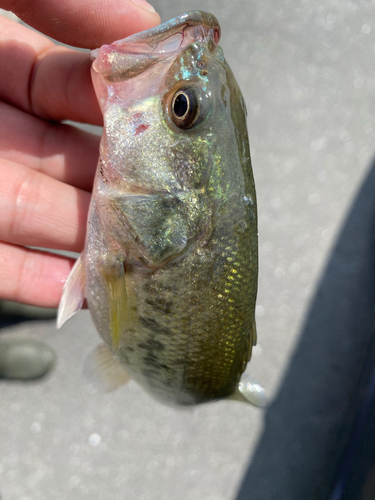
<point x="250" y="391"/>
<point x="74" y="292"/>
<point x="104" y="370"/>
<point x="118" y="303"/>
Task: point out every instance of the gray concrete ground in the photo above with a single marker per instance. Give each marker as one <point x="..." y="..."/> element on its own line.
<point x="306" y="70"/>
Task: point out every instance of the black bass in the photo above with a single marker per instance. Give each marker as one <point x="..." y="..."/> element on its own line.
<point x="170" y="265"/>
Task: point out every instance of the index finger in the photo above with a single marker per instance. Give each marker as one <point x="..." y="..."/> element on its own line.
<point x="52" y="82"/>
<point x="43" y="79"/>
<point x="85" y="23"/>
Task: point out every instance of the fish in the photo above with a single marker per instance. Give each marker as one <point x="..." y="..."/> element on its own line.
<point x="170" y="265"/>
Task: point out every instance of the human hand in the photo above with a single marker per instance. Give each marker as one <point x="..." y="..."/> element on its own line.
<point x="47" y="168"/>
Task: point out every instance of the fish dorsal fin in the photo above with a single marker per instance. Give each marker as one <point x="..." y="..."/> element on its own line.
<point x="104" y="370"/>
<point x="250" y="391"/>
<point x="74" y="292"/>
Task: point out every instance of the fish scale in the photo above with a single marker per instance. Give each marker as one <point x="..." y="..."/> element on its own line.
<point x="209" y="362"/>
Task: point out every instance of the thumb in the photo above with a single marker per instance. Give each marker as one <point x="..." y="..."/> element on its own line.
<point x="85" y="23"/>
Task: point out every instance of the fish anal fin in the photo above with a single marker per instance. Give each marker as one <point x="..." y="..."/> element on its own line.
<point x="104" y="370"/>
<point x="254" y="335"/>
<point x="74" y="292"/>
<point x="252" y="340"/>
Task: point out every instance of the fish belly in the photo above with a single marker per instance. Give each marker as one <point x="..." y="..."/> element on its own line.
<point x="186" y="336"/>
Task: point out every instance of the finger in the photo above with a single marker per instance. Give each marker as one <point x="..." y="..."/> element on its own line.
<point x="31" y="276"/>
<point x="41" y="78"/>
<point x="36" y="210"/>
<point x="86" y="23"/>
<point x="60" y="151"/>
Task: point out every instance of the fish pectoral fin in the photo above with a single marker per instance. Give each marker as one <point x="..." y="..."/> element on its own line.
<point x="114" y="278"/>
<point x="104" y="370"/>
<point x="74" y="292"/>
<point x="250" y="391"/>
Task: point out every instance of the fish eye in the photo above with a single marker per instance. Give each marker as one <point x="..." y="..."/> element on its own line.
<point x="187" y="107"/>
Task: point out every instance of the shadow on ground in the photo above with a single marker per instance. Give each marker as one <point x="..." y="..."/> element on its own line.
<point x="308" y="425"/>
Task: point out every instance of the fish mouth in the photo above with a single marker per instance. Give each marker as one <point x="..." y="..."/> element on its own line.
<point x="171" y="36"/>
<point x="195" y="18"/>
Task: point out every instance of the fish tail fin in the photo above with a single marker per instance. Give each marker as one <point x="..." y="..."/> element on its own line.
<point x="74" y="292"/>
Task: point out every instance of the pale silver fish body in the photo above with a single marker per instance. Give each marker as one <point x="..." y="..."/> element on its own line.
<point x="171" y="252"/>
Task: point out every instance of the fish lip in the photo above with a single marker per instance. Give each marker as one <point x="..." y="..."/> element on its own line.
<point x="152" y="37"/>
<point x="175" y="25"/>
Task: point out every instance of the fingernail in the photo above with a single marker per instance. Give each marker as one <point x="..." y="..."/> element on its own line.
<point x="144" y="4"/>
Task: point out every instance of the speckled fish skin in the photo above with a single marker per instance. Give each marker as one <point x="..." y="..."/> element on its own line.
<point x="171" y="253"/>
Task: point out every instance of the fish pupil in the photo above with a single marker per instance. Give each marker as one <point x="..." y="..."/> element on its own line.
<point x="188" y="107"/>
<point x="181" y="105"/>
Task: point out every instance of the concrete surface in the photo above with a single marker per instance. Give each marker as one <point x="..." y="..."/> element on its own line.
<point x="306" y="70"/>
